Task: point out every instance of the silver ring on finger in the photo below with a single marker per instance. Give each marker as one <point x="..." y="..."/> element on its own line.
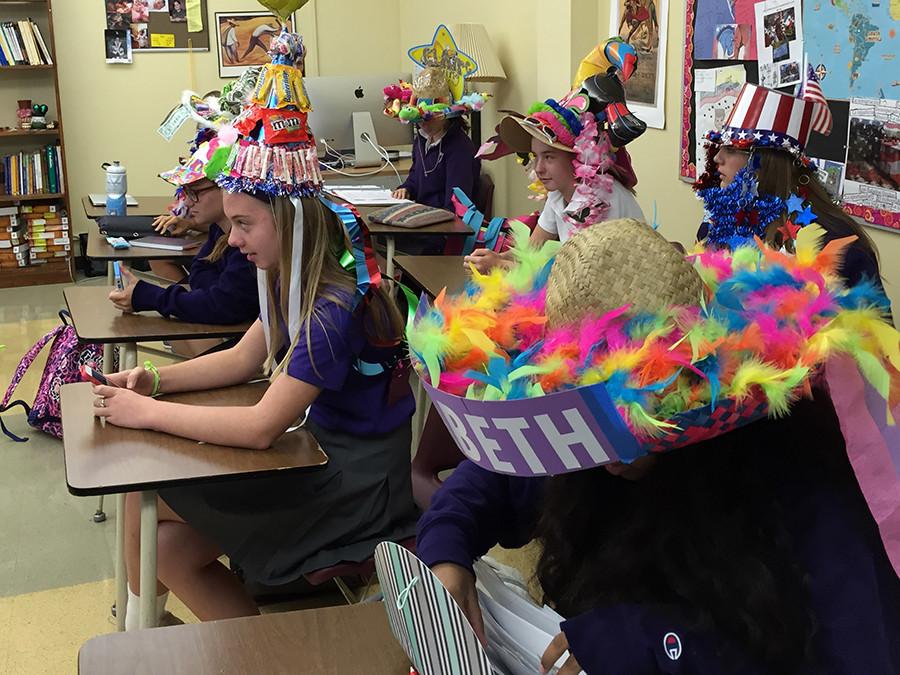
<point x="102" y="403"/>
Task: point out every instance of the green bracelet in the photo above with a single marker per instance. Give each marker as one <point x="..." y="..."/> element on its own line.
<point x="149" y="367"/>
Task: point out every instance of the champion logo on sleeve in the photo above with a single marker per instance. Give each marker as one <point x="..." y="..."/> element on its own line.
<point x="672" y="646"/>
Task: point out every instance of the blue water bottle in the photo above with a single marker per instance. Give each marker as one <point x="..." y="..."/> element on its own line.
<point x="116" y="187"/>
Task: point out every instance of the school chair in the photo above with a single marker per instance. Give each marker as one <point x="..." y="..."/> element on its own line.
<point x="485" y="201"/>
<point x="364" y="571"/>
<point x="437" y="452"/>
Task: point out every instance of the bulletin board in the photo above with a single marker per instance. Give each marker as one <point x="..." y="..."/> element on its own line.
<point x="161" y="24"/>
<point x="166" y="30"/>
<point x="860" y="160"/>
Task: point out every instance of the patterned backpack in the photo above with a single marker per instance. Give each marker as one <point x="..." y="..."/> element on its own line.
<point x="63" y="364"/>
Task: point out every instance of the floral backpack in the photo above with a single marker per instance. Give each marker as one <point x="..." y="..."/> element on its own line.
<point x="63" y="365"/>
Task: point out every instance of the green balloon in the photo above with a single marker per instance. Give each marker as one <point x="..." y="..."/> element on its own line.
<point x="283" y="8"/>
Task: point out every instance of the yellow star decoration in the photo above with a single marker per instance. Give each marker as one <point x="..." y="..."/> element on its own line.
<point x="443" y="53"/>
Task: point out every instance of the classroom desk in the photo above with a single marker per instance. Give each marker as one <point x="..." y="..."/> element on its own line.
<point x="105" y="459"/>
<point x="435" y="272"/>
<point x="96" y="319"/>
<point x="452" y="228"/>
<point x="99" y="249"/>
<point x="327" y="641"/>
<point x="146" y="206"/>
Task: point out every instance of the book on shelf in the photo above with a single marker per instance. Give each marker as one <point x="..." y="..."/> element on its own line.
<point x="22" y="44"/>
<point x="32" y="172"/>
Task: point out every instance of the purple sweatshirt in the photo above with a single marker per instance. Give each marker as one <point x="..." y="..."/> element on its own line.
<point x="222" y="292"/>
<point x="449" y="164"/>
<point x="853" y="590"/>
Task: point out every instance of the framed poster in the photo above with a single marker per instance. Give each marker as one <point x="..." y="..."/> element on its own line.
<point x="643" y="24"/>
<point x="242" y="39"/>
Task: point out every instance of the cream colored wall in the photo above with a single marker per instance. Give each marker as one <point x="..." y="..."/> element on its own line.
<point x="111" y="112"/>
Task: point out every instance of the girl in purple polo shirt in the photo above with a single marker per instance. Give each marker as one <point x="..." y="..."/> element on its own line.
<point x="329" y="334"/>
<point x="339" y="368"/>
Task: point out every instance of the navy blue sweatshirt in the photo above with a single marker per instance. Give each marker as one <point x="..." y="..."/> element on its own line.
<point x="853" y="590"/>
<point x="221" y="292"/>
<point x="449" y="164"/>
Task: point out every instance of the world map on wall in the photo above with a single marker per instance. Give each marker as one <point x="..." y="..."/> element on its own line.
<point x="853" y="46"/>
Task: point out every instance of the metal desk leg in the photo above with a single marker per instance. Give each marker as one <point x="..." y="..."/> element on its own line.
<point x="109" y="349"/>
<point x="391" y="246"/>
<point x="121" y="575"/>
<point x="127" y="356"/>
<point x="423" y="404"/>
<point x="149" y="524"/>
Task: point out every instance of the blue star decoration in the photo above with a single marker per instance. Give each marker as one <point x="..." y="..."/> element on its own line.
<point x="806" y="216"/>
<point x="794" y="203"/>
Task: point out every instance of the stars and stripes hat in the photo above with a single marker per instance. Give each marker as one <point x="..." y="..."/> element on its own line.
<point x="766" y="118"/>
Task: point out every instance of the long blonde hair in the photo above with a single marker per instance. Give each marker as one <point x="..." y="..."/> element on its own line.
<point x="324" y="241"/>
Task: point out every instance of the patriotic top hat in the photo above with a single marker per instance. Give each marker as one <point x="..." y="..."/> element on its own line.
<point x="770" y="119"/>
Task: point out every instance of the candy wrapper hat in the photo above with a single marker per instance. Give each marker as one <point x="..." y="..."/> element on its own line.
<point x="614" y="346"/>
<point x="592" y="122"/>
<point x="273" y="154"/>
<point x="438" y="88"/>
<point x="760" y="119"/>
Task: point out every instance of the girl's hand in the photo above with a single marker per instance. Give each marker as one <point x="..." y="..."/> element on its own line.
<point x="483" y="260"/>
<point x="400" y="193"/>
<point x="461" y="584"/>
<point x="169" y="224"/>
<point x="557" y="647"/>
<point x="124" y="407"/>
<point x="139" y="380"/>
<point x="122" y="299"/>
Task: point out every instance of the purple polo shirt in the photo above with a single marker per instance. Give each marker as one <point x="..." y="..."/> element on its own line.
<point x="350" y="401"/>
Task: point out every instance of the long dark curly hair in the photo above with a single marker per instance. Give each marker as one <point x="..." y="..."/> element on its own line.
<point x="702" y="535"/>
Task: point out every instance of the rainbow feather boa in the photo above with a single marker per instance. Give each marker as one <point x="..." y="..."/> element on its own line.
<point x="768" y="321"/>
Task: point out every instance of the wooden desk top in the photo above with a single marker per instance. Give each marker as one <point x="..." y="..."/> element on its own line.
<point x="97" y="320"/>
<point x="402" y="165"/>
<point x="328" y="641"/>
<point x="434" y="272"/>
<point x="147" y="206"/>
<point x="98" y="249"/>
<point x="112" y="459"/>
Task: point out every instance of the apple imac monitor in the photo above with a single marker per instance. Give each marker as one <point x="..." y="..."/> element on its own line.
<point x="349" y="108"/>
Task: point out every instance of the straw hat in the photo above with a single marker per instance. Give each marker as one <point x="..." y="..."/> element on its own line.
<point x="621" y="262"/>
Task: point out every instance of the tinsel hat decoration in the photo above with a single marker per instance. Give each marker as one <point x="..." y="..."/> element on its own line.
<point x="438" y="86"/>
<point x="274" y="151"/>
<point x="273" y="155"/>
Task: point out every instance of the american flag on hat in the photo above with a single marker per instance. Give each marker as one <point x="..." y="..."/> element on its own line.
<point x="811" y="91"/>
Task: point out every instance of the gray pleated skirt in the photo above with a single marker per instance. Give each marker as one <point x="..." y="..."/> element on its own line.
<point x="276" y="529"/>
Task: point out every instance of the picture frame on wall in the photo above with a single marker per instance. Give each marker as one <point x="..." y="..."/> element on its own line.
<point x="242" y="39"/>
<point x="644" y="24"/>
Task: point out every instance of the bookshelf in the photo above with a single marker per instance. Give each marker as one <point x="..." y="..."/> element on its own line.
<point x="41" y="203"/>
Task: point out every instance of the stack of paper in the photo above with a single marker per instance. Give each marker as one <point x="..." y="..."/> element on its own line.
<point x="366" y="196"/>
<point x="518" y="631"/>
